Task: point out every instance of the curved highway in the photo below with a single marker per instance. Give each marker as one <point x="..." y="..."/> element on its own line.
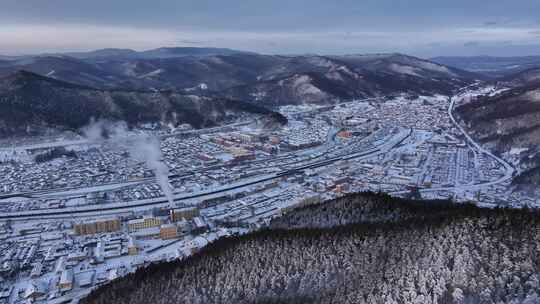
<point x="509" y="170"/>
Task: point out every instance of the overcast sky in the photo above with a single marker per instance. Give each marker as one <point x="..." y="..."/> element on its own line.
<point x="424" y="28"/>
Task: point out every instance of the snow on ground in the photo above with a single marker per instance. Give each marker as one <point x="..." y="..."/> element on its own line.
<point x="517" y="151"/>
<point x="398" y="100"/>
<point x="303" y="86"/>
<point x="435" y="99"/>
<point x="321" y="62"/>
<point x="498" y="91"/>
<point x="334" y="75"/>
<point x="434" y="67"/>
<point x="129" y="69"/>
<point x="16" y="155"/>
<point x="152" y="74"/>
<point x="404" y="69"/>
<point x="467" y="95"/>
<point x="533" y="95"/>
<point x="258" y="95"/>
<point x="18" y="199"/>
<point x="201" y="86"/>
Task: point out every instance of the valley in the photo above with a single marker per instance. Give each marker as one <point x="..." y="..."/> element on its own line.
<point x="269" y="152"/>
<point x="97" y="183"/>
<point x="227" y="180"/>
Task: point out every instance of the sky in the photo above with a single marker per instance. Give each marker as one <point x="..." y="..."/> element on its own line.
<point x="424" y="28"/>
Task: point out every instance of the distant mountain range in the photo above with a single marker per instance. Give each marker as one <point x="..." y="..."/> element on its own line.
<point x="206" y="86"/>
<point x="493" y="67"/>
<point x="266" y="79"/>
<point x="327" y="79"/>
<point x="115" y="53"/>
<point x="526" y="77"/>
<point x="159" y="53"/>
<point x="176" y="85"/>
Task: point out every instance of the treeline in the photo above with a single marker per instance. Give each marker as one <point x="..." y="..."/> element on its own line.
<point x="369" y="208"/>
<point x="363" y="248"/>
<point x="528" y="177"/>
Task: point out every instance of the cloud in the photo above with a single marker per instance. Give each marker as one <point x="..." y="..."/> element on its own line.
<point x="17" y="39"/>
<point x="491" y="23"/>
<point x="506" y="42"/>
<point x="434" y="45"/>
<point x="194" y="42"/>
<point x="503" y="22"/>
<point x="471" y="44"/>
<point x="21" y="39"/>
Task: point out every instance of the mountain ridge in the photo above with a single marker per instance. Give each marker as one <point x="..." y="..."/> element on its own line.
<point x="31" y="103"/>
<point x="490" y="66"/>
<point x="509" y="122"/>
<point x="249" y="76"/>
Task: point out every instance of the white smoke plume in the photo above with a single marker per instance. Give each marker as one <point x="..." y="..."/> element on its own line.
<point x="142" y="148"/>
<point x="94" y="130"/>
<point x="100" y="130"/>
<point x="148" y="149"/>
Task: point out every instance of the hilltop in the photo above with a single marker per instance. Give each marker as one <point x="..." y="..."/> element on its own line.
<point x="363" y="248"/>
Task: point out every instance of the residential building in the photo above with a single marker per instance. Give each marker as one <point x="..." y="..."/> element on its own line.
<point x="145" y="222"/>
<point x="66" y="280"/>
<point x="94" y="226"/>
<point x="168" y="231"/>
<point x="185" y="213"/>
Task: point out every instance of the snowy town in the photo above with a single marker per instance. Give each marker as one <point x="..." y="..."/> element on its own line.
<point x="78" y="213"/>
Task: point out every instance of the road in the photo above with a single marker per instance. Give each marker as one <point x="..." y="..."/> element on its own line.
<point x="123" y="207"/>
<point x="313" y="153"/>
<point x="509" y="170"/>
<point x="105" y="186"/>
<point x="120" y="184"/>
<point x="302" y="113"/>
<point x="85" y="141"/>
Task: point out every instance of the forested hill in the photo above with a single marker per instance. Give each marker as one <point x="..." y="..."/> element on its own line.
<point x="364" y="248"/>
<point x="31" y="104"/>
